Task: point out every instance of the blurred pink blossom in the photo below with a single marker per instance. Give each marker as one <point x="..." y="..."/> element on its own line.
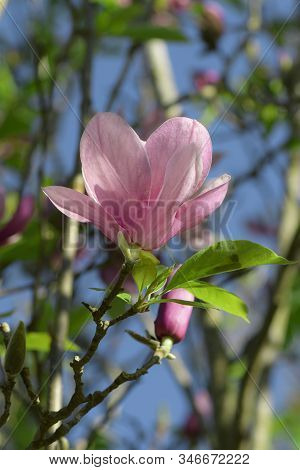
<point x="194" y="424"/>
<point x="216" y="11"/>
<point x="260" y="227"/>
<point x="285" y="60"/>
<point x="19" y="219"/>
<point x="206" y="77"/>
<point x="149" y="190"/>
<point x="179" y="5"/>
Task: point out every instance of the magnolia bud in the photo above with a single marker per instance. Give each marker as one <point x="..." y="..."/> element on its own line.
<point x="16" y="351"/>
<point x="173" y="319"/>
<point x="212" y="24"/>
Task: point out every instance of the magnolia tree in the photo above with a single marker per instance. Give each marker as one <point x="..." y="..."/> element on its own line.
<point x="143" y="242"/>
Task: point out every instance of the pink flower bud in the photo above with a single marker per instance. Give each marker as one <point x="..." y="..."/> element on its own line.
<point x="173" y="319"/>
<point x="212" y="24"/>
<point x="19" y="220"/>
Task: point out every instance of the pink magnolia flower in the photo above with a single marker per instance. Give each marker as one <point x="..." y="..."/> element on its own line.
<point x="206" y="77"/>
<point x="149" y="190"/>
<point x="19" y="219"/>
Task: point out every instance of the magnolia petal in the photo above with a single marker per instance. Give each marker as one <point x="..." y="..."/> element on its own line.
<point x="175" y="228"/>
<point x="114" y="161"/>
<point x="171" y="136"/>
<point x="148" y="225"/>
<point x="82" y="208"/>
<point x="182" y="176"/>
<point x="194" y="211"/>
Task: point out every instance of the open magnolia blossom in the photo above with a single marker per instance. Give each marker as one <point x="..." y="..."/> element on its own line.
<point x="149" y="190"/>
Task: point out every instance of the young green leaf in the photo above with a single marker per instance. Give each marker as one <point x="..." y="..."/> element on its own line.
<point x="196" y="303"/>
<point x="163" y="274"/>
<point x="144" y="273"/>
<point x="125" y="296"/>
<point x="224" y="257"/>
<point x="219" y="298"/>
<point x="118" y="307"/>
<point x="147" y="256"/>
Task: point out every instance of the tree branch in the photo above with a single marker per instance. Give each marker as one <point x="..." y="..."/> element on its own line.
<point x="94" y="400"/>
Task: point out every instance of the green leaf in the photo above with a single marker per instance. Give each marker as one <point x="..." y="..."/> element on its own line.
<point x="145" y="32"/>
<point x="144" y="273"/>
<point x="6" y="314"/>
<point x="293" y="300"/>
<point x="163" y="274"/>
<point x="118" y="307"/>
<point x="79" y="318"/>
<point x="147" y="256"/>
<point x="27" y="247"/>
<point x="219" y="298"/>
<point x="41" y="341"/>
<point x="224" y="257"/>
<point x="128" y="22"/>
<point x="197" y="304"/>
<point x="125" y="296"/>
